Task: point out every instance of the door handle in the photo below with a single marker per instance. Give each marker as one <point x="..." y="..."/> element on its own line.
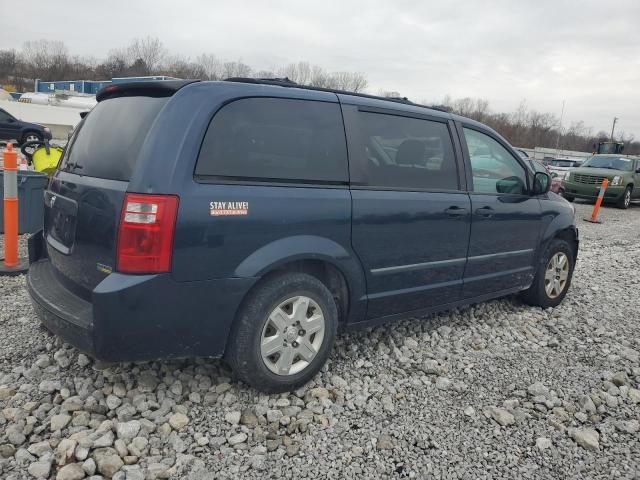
<point x="455" y="211"/>
<point x="485" y="212"/>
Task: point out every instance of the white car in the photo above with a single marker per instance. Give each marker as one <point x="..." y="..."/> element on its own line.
<point x="560" y="167"/>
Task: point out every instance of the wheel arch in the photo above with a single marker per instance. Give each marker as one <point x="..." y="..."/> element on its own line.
<point x="323" y="258"/>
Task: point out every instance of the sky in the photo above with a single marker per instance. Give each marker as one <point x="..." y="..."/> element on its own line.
<point x="585" y="53"/>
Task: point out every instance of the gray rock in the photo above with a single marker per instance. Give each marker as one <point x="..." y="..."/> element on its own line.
<point x="443" y="383"/>
<point x="587" y="438"/>
<point x="108" y="461"/>
<point x="138" y="446"/>
<point x="65" y="451"/>
<point x="502" y="416"/>
<point x="73" y="471"/>
<point x="237" y="438"/>
<point x="72" y="404"/>
<point x="147" y="382"/>
<point x="128" y="430"/>
<point x="105" y="440"/>
<point x="89" y="466"/>
<point x="233" y="417"/>
<point x="248" y="418"/>
<point x="178" y="421"/>
<point x="537" y="389"/>
<point x="83" y="360"/>
<point x="40" y="469"/>
<point x="6" y="392"/>
<point x="58" y="422"/>
<point x="628" y="426"/>
<point x="385" y="442"/>
<point x="39" y="449"/>
<point x="7" y="450"/>
<point x="543" y="443"/>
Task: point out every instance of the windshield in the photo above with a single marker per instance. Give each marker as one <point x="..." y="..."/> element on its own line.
<point x="613" y="163"/>
<point x="563" y="163"/>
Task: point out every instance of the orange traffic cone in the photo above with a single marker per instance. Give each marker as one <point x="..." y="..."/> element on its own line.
<point x="11" y="264"/>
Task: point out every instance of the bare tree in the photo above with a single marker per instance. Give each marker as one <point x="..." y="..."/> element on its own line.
<point x="211" y="66"/>
<point x="149" y="50"/>
<point x="235" y="69"/>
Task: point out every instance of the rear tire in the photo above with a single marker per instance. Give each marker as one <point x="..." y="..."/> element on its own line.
<point x="31" y="137"/>
<point x="553" y="276"/>
<point x="273" y="319"/>
<point x="625" y="200"/>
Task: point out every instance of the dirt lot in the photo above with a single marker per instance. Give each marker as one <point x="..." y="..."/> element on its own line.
<point x="498" y="390"/>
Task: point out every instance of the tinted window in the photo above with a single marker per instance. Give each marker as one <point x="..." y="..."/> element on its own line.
<point x="279" y="139"/>
<point x="108" y="141"/>
<point x="494" y="169"/>
<point x="403" y="152"/>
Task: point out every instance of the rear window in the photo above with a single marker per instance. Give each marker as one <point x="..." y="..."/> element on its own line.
<point x="109" y="139"/>
<point x="276" y="139"/>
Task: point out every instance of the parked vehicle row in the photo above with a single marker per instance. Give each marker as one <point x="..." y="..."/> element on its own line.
<point x="250" y="219"/>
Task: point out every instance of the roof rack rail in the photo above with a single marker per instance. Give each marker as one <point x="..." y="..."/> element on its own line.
<point x="286" y="82"/>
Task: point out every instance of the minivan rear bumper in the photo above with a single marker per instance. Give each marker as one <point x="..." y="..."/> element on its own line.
<point x="139" y="317"/>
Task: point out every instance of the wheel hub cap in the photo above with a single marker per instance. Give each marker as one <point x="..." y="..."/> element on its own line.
<point x="556" y="275"/>
<point x="292" y="335"/>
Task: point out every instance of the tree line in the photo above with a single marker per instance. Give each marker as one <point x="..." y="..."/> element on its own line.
<point x="51" y="60"/>
<point x="528" y="128"/>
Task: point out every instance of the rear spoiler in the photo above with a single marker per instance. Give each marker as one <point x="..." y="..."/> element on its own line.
<point x="158" y="88"/>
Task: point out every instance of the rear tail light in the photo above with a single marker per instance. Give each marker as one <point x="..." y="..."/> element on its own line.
<point x="145" y="237"/>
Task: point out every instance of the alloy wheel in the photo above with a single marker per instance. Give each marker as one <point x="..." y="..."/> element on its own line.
<point x="556" y="275"/>
<point x="292" y="335"/>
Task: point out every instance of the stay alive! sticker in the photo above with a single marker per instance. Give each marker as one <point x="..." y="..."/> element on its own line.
<point x="218" y="209"/>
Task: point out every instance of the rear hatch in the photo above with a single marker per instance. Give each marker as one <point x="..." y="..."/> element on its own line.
<point x="85" y="197"/>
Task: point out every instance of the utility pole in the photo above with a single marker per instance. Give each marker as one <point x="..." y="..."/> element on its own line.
<point x="560" y="129"/>
<point x="613" y="128"/>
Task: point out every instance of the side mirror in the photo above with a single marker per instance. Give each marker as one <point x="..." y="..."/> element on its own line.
<point x="638" y="170"/>
<point x="541" y="183"/>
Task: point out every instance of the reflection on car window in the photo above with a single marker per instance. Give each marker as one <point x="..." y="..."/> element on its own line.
<point x="404" y="152"/>
<point x="494" y="169"/>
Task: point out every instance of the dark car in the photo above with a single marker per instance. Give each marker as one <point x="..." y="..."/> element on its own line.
<point x="251" y="219"/>
<point x="13" y="129"/>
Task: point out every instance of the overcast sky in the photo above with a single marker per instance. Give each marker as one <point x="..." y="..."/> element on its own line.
<point x="585" y="52"/>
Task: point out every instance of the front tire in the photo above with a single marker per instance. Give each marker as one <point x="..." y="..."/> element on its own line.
<point x="625" y="200"/>
<point x="31" y="137"/>
<point x="284" y="333"/>
<point x="553" y="276"/>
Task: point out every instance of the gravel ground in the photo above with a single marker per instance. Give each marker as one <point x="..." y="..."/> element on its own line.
<point x="497" y="390"/>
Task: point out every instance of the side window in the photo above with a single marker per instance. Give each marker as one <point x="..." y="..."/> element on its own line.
<point x="494" y="169"/>
<point x="402" y="152"/>
<point x="276" y="139"/>
<point x="4" y="116"/>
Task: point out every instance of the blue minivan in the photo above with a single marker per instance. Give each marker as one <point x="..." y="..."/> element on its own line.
<point x="251" y="219"/>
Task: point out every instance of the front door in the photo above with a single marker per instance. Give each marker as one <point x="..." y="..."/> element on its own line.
<point x="506" y="219"/>
<point x="411" y="218"/>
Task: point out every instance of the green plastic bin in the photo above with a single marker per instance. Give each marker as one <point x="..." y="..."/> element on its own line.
<point x="31" y="187"/>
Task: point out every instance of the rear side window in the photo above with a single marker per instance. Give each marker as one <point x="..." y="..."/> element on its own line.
<point x="276" y="139"/>
<point x="109" y="139"/>
<point x="402" y="152"/>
